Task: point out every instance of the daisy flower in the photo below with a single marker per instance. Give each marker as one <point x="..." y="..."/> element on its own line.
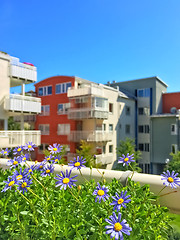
<point x="18" y="150"/>
<point x="41" y="165"/>
<point x="126" y="160"/>
<point x="170" y="179"/>
<point x="23" y="185"/>
<point x="101" y="193"/>
<point x="116" y="227"/>
<point x="5" y="152"/>
<point x="65" y="181"/>
<point x="56" y="148"/>
<point x="77" y="163"/>
<point x="20" y="175"/>
<point x="29" y="146"/>
<point x="47" y="170"/>
<point x="120" y="201"/>
<point x="14" y="162"/>
<point x="9" y="184"/>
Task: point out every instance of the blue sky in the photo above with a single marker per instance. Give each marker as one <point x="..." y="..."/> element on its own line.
<point x="99" y="40"/>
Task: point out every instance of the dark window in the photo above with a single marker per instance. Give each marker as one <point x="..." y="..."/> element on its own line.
<point x="49" y="90"/>
<point x="111" y="107"/>
<point x="127" y="128"/>
<point x="141" y="146"/>
<point x="146" y="129"/>
<point x="58" y="88"/>
<point x="40" y="91"/>
<point x="127" y="110"/>
<point x="68" y="85"/>
<point x="110" y="127"/>
<point x="140" y="111"/>
<point x="147" y="147"/>
<point x="147" y="168"/>
<point x="110" y="148"/>
<point x="140" y="128"/>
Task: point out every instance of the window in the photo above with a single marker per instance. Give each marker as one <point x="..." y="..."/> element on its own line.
<point x="146" y="147"/>
<point x="111" y="107"/>
<point x="140" y="128"/>
<point x="104" y="127"/>
<point x="110" y="148"/>
<point x="146" y="128"/>
<point x="43" y="91"/>
<point x="128" y="110"/>
<point x="127" y="129"/>
<point x="174" y="148"/>
<point x="141" y="146"/>
<point x="173" y="129"/>
<point x="98" y="127"/>
<point x="63" y="108"/>
<point x="63" y="129"/>
<point x="42" y="147"/>
<point x="143" y="111"/>
<point x="140" y="111"/>
<point x="62" y="87"/>
<point x="45" y="110"/>
<point x="110" y="127"/>
<point x="143" y="92"/>
<point x="44" y="128"/>
<point x="147" y="168"/>
<point x="104" y="149"/>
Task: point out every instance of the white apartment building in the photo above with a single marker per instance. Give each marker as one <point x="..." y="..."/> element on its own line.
<point x="14" y="73"/>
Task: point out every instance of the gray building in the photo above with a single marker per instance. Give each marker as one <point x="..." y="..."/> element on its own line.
<point x="147" y="93"/>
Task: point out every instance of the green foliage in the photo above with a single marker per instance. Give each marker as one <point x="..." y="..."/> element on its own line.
<point x="125" y="147"/>
<point x="86" y="151"/>
<point x="12" y="125"/>
<point x="174" y="164"/>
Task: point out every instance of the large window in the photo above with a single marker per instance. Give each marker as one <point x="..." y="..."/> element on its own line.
<point x="63" y="129"/>
<point x="143" y="128"/>
<point x="143" y="92"/>
<point x="44" y="91"/>
<point x="143" y="111"/>
<point x="63" y="108"/>
<point x="62" y="87"/>
<point x="44" y="128"/>
<point x="45" y="110"/>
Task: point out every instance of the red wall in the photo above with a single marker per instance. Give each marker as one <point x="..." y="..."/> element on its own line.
<point x="170" y="100"/>
<point x="54" y="119"/>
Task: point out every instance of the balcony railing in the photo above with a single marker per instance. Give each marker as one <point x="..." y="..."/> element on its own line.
<point x="104" y="158"/>
<point x="90" y="136"/>
<point x="21" y="103"/>
<point x="86" y="113"/>
<point x="85" y="90"/>
<point x="22" y="70"/>
<point x="14" y="138"/>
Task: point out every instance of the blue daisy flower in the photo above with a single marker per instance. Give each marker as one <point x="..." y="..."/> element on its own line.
<point x="65" y="180"/>
<point x="56" y="159"/>
<point x="116" y="227"/>
<point x="9" y="184"/>
<point x="14" y="162"/>
<point x="41" y="165"/>
<point x="101" y="193"/>
<point x="20" y="175"/>
<point x="56" y="148"/>
<point x="170" y="179"/>
<point x="49" y="158"/>
<point x="31" y="169"/>
<point x="23" y="185"/>
<point x="126" y="160"/>
<point x="120" y="201"/>
<point x="29" y="146"/>
<point x="25" y="157"/>
<point x="5" y="152"/>
<point x="18" y="150"/>
<point x="47" y="170"/>
<point x="77" y="163"/>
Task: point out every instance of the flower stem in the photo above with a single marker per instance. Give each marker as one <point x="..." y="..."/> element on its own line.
<point x="34" y="193"/>
<point x="132" y="170"/>
<point x="73" y="195"/>
<point x="83" y="176"/>
<point x="161" y="190"/>
<point x="167" y="194"/>
<point x="24" y="197"/>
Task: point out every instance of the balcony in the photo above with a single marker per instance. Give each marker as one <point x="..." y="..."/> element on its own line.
<point x="90" y="136"/>
<point x="85" y="90"/>
<point x="87" y="113"/>
<point x="104" y="158"/>
<point x="15" y="138"/>
<point x="23" y="104"/>
<point x="25" y="71"/>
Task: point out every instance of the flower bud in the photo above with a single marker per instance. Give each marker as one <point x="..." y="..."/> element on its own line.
<point x="79" y="187"/>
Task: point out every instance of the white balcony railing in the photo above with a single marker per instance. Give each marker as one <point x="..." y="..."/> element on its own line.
<point x="22" y="70"/>
<point x="85" y="113"/>
<point x="90" y="136"/>
<point x="21" y="103"/>
<point x="85" y="90"/>
<point x="16" y="138"/>
<point x="104" y="158"/>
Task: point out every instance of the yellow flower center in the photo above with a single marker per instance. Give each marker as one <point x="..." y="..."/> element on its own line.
<point x="47" y="171"/>
<point x="19" y="177"/>
<point x="48" y="159"/>
<point x="24" y="184"/>
<point x="55" y="149"/>
<point x="120" y="201"/>
<point x="126" y="159"/>
<point x="19" y="149"/>
<point x="30" y="170"/>
<point x="117" y="227"/>
<point x="15" y="162"/>
<point x="77" y="164"/>
<point x="100" y="192"/>
<point x="29" y="146"/>
<point x="170" y="179"/>
<point x="41" y="166"/>
<point x="66" y="180"/>
<point x="36" y="161"/>
<point x="24" y="158"/>
<point x="5" y="152"/>
<point x="56" y="160"/>
<point x="11" y="183"/>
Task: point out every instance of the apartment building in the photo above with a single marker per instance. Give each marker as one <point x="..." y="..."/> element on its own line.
<point x="14" y="73"/>
<point x="75" y="109"/>
<point x="148" y="93"/>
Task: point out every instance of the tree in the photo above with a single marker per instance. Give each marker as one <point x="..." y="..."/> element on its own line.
<point x="174" y="164"/>
<point x="86" y="151"/>
<point x="12" y="125"/>
<point x="125" y="147"/>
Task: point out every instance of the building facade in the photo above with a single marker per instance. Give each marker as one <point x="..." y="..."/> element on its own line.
<point x="14" y="73"/>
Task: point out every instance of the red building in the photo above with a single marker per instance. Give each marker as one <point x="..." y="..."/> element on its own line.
<point x="171" y="102"/>
<point x="53" y="120"/>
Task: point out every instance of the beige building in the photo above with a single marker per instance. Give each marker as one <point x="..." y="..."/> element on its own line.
<point x="14" y="73"/>
<point x="104" y="116"/>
